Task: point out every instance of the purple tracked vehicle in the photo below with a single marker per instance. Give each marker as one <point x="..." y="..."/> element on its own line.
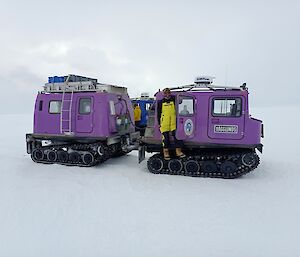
<point x="80" y="122"/>
<point x="218" y="135"/>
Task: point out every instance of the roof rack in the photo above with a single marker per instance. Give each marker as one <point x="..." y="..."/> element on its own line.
<point x="205" y="87"/>
<point x="144" y="96"/>
<point x="204" y="83"/>
<point x="70" y="78"/>
<point x="75" y="83"/>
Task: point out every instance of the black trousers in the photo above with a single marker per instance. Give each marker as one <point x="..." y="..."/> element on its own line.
<point x="166" y="139"/>
<point x="137" y="125"/>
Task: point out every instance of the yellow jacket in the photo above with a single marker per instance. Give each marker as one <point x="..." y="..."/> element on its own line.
<point x="167" y="115"/>
<point x="137" y="113"/>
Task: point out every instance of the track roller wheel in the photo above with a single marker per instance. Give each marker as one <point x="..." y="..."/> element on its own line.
<point x="74" y="157"/>
<point x="228" y="167"/>
<point x="104" y="152"/>
<point x="51" y="156"/>
<point x="101" y="149"/>
<point x="250" y="159"/>
<point x="37" y="155"/>
<point x="62" y="156"/>
<point x="175" y="165"/>
<point x="209" y="166"/>
<point x="88" y="158"/>
<point x="192" y="167"/>
<point x="155" y="164"/>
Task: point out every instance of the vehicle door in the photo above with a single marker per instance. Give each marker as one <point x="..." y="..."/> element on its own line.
<point x="84" y="114"/>
<point x="186" y="117"/>
<point x="226" y="117"/>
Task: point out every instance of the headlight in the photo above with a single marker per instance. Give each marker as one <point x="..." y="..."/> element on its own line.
<point x="119" y="122"/>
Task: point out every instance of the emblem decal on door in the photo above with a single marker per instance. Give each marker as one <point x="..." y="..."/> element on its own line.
<point x="188" y="127"/>
<point x="232" y="129"/>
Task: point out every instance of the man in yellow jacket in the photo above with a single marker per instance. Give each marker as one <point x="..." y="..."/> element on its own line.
<point x="166" y="114"/>
<point x="137" y="115"/>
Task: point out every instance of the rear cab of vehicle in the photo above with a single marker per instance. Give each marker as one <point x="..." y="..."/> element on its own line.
<point x="208" y="117"/>
<point x="85" y="112"/>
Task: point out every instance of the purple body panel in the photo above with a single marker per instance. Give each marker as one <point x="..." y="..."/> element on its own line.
<point x="100" y="121"/>
<point x="204" y="125"/>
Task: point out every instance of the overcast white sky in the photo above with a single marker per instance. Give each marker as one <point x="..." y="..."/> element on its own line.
<point x="146" y="45"/>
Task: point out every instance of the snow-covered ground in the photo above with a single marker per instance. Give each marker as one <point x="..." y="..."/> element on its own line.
<point x="120" y="209"/>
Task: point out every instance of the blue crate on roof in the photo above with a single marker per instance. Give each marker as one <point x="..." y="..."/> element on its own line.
<point x="56" y="79"/>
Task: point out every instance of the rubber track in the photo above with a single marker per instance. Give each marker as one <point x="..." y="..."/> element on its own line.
<point x="218" y="159"/>
<point x="80" y="147"/>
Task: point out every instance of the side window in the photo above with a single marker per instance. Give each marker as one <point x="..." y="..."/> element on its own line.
<point x="112" y="107"/>
<point x="85" y="106"/>
<point x="55" y="107"/>
<point x="227" y="107"/>
<point x="41" y="105"/>
<point x="186" y="106"/>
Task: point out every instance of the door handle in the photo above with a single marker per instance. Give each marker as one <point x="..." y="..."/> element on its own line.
<point x="181" y="120"/>
<point x="215" y="121"/>
<point x="79" y="117"/>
